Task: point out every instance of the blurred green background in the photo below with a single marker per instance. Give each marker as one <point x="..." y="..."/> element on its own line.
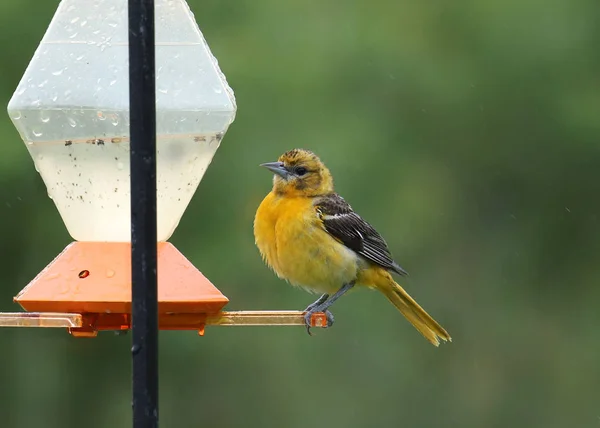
<point x="467" y="132"/>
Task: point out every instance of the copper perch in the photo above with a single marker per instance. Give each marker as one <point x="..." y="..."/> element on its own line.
<point x="88" y="324"/>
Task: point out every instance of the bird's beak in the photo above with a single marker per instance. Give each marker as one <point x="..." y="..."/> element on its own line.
<point x="277" y="167"/>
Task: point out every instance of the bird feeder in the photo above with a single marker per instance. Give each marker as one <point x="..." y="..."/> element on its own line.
<point x="71" y="108"/>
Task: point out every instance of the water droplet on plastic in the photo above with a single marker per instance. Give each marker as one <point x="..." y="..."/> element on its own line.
<point x="135" y="349"/>
<point x="163" y="91"/>
<point x="41" y="85"/>
<point x="110" y="273"/>
<point x="112" y="82"/>
<point x="114" y="119"/>
<point x="101" y="116"/>
<point x="120" y="165"/>
<point x="16" y="115"/>
<point x="36" y="132"/>
<point x="44" y="117"/>
<point x="79" y="58"/>
<point x="58" y="72"/>
<point x="112" y="24"/>
<point x="72" y="36"/>
<point x="30" y="143"/>
<point x="74" y="20"/>
<point x="218" y="90"/>
<point x="72" y="122"/>
<point x="21" y="90"/>
<point x="83" y="23"/>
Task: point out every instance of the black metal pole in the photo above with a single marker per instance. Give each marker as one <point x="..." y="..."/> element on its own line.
<point x="144" y="305"/>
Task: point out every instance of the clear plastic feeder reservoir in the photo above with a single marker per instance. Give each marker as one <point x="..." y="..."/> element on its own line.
<point x="71" y="109"/>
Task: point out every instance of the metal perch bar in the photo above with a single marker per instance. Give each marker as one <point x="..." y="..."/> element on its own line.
<point x="256" y="318"/>
<point x="166" y="321"/>
<point x="40" y="319"/>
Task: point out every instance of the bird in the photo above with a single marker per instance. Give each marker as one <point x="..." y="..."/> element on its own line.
<point x="312" y="238"/>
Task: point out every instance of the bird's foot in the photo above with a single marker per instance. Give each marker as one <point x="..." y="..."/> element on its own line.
<point x="322" y="304"/>
<point x="330" y="318"/>
<point x="311" y="312"/>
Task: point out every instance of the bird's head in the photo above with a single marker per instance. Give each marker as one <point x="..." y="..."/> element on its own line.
<point x="300" y="172"/>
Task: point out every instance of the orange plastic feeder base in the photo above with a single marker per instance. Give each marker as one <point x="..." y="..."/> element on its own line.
<point x="95" y="277"/>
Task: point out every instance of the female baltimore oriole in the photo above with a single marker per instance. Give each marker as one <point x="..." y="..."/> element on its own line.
<point x="311" y="237"/>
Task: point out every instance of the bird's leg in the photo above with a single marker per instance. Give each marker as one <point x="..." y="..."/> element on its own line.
<point x="317" y="302"/>
<point x="322" y="305"/>
<point x="336" y="296"/>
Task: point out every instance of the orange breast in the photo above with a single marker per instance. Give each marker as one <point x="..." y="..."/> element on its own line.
<point x="294" y="244"/>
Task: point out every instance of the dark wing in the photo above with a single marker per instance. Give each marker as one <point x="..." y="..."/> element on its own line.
<point x="348" y="227"/>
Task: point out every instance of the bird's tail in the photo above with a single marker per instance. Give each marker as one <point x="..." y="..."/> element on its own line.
<point x="411" y="310"/>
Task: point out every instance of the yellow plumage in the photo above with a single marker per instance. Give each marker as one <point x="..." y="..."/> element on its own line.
<point x="294" y="244"/>
<point x="311" y="237"/>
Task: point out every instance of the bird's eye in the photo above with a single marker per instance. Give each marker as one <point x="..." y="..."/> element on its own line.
<point x="301" y="170"/>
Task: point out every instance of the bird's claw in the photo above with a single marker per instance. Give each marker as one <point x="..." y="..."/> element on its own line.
<point x="308" y="321"/>
<point x="308" y="318"/>
<point x="330" y="318"/>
